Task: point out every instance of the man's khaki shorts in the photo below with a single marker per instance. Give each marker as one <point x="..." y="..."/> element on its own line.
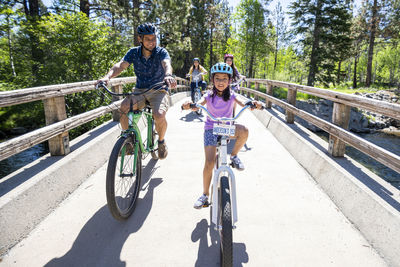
<point x="158" y="99"/>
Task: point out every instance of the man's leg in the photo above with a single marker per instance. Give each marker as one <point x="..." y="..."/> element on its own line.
<point x="159" y="102"/>
<point x="137" y="102"/>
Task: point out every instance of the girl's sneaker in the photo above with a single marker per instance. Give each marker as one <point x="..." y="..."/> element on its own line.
<point x="201" y="202"/>
<point x="236" y="163"/>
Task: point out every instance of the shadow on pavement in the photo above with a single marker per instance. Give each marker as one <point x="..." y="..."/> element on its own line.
<point x="102" y="238"/>
<point x="384" y="193"/>
<point x="210" y="255"/>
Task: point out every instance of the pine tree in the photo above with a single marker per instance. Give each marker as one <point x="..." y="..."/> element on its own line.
<point x="321" y="25"/>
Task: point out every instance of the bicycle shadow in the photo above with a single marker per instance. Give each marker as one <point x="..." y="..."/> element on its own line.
<point x="102" y="238"/>
<point x="232" y="143"/>
<point x="210" y="255"/>
<point x="191" y="116"/>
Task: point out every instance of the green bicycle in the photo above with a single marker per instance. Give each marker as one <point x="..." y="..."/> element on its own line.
<point x="124" y="170"/>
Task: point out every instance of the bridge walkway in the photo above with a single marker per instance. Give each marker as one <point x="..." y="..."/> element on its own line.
<point x="285" y="219"/>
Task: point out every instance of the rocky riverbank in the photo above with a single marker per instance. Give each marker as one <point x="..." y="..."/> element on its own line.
<point x="361" y="121"/>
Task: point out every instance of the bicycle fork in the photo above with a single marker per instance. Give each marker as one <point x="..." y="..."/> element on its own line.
<point x="224" y="168"/>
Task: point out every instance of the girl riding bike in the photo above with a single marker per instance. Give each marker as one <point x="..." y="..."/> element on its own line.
<point x="236" y="76"/>
<point x="220" y="101"/>
<point x="195" y="71"/>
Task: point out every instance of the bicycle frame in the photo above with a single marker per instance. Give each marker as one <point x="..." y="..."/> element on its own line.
<point x="133" y="118"/>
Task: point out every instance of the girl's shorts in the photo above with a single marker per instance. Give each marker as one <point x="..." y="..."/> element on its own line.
<point x="209" y="138"/>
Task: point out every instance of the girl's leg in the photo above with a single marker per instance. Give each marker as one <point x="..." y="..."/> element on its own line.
<point x="208" y="168"/>
<point x="241" y="134"/>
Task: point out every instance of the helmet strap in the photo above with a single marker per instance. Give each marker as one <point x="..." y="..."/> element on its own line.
<point x="141" y="43"/>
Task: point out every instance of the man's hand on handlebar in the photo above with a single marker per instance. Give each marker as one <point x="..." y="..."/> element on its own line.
<point x="170" y="80"/>
<point x="104" y="80"/>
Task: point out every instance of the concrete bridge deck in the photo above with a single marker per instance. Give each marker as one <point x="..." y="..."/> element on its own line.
<point x="285" y="219"/>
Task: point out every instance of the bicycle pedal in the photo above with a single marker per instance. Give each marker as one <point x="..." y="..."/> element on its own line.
<point x="206" y="205"/>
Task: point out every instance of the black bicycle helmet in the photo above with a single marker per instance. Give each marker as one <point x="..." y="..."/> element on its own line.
<point x="146" y="28"/>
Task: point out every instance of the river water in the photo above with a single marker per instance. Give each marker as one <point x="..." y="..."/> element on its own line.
<point x="19" y="160"/>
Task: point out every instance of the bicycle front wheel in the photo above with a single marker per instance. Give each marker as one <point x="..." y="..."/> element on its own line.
<point x="225" y="219"/>
<point x="123" y="178"/>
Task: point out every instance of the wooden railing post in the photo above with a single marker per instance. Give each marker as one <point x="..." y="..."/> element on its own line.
<point x="291" y="99"/>
<point x="116" y="89"/>
<point x="256" y="87"/>
<point x="340" y="117"/>
<point x="54" y="110"/>
<point x="268" y="104"/>
<point x="248" y="85"/>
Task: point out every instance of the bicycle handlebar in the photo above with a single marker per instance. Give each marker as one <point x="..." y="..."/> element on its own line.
<point x="249" y="104"/>
<point x="156" y="86"/>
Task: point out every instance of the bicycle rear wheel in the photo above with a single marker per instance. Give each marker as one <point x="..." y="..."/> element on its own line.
<point x="225" y="219"/>
<point x="124" y="173"/>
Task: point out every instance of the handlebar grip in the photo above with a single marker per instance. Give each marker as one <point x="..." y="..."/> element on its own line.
<point x="192" y="105"/>
<point x="249" y="103"/>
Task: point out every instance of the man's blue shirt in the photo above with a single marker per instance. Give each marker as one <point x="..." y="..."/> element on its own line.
<point x="148" y="71"/>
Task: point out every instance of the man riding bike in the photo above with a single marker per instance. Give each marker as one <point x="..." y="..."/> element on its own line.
<point x="152" y="65"/>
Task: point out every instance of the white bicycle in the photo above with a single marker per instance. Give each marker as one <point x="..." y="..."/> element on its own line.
<point x="223" y="191"/>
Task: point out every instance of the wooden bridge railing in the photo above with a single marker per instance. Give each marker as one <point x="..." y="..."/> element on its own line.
<point x="57" y="122"/>
<point x="338" y="134"/>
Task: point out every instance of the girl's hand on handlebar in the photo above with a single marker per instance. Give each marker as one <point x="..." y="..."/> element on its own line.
<point x="187" y="105"/>
<point x="257" y="104"/>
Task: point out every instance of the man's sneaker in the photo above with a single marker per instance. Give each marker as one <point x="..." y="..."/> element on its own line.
<point x="201" y="202"/>
<point x="162" y="150"/>
<point x="236" y="163"/>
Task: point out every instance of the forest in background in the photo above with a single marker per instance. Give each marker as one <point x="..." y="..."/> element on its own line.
<point x="328" y="43"/>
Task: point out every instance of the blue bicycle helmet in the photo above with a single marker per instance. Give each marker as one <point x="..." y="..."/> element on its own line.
<point x="146" y="28"/>
<point x="222" y="67"/>
<point x="196" y="59"/>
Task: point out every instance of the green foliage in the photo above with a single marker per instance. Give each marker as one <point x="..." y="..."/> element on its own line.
<point x="74" y="49"/>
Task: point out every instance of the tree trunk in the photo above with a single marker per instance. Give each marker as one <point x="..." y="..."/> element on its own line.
<point x="338" y="72"/>
<point x="84" y="7"/>
<point x="355" y="72"/>
<point x="315" y="47"/>
<point x="371" y="43"/>
<point x="211" y="47"/>
<point x="37" y="53"/>
<point x="10" y="47"/>
<point x="276" y="53"/>
<point x="136" y="21"/>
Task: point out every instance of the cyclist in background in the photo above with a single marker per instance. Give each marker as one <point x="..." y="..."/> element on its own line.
<point x="228" y="59"/>
<point x="195" y="70"/>
<point x="220" y="101"/>
<point x="152" y="65"/>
